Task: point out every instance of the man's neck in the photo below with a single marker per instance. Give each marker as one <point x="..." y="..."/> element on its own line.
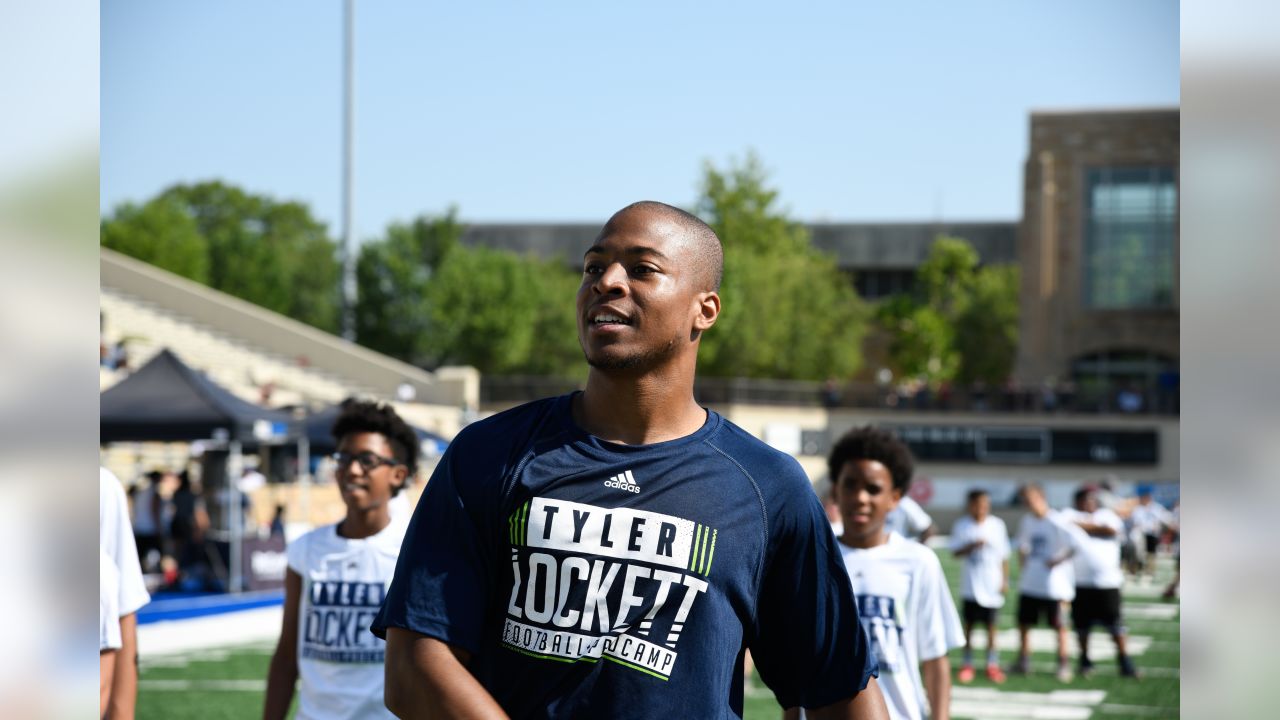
<point x="640" y="410"/>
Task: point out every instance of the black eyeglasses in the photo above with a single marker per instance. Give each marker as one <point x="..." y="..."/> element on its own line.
<point x="369" y="461"/>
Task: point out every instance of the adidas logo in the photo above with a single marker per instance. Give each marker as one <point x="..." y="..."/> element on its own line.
<point x="623" y="481"/>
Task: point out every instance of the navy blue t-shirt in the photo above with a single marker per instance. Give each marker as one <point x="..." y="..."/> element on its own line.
<point x="592" y="579"/>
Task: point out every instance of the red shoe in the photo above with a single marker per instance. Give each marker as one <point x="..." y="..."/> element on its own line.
<point x="966" y="674"/>
<point x="995" y="674"/>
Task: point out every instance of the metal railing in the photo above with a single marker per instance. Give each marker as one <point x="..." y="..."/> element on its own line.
<point x="1095" y="399"/>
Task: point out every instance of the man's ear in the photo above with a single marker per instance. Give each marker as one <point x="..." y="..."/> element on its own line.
<point x="708" y="311"/>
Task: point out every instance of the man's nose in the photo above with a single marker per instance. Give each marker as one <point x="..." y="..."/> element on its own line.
<point x="613" y="279"/>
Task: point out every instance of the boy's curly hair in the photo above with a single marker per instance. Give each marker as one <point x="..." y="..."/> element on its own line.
<point x="869" y="443"/>
<point x="362" y="416"/>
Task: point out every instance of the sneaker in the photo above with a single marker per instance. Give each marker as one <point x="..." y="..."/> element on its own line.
<point x="1085" y="669"/>
<point x="1021" y="666"/>
<point x="995" y="674"/>
<point x="965" y="675"/>
<point x="1064" y="674"/>
<point x="1128" y="670"/>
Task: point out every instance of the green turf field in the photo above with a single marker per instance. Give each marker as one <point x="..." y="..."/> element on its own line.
<point x="230" y="683"/>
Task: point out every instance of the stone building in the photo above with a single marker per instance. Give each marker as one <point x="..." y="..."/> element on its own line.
<point x="1098" y="245"/>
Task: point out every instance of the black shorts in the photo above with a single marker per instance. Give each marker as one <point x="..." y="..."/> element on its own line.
<point x="1032" y="609"/>
<point x="1096" y="606"/>
<point x="975" y="614"/>
<point x="1153" y="542"/>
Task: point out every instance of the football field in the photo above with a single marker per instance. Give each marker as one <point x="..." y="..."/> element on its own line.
<point x="230" y="682"/>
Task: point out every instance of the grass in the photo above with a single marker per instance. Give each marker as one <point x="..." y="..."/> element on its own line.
<point x="230" y="684"/>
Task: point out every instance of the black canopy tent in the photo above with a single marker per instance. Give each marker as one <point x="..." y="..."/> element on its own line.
<point x="167" y="400"/>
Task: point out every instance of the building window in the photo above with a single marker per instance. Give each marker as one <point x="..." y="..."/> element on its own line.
<point x="877" y="284"/>
<point x="1130" y="237"/>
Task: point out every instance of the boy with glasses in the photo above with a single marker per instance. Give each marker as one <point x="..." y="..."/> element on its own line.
<point x="338" y="576"/>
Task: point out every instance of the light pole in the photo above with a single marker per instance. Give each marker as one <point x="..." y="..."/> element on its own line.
<point x="348" y="250"/>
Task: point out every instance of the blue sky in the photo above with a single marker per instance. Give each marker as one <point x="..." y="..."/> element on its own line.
<point x="568" y="110"/>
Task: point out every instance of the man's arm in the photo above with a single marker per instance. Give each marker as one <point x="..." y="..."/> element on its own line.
<point x="966" y="549"/>
<point x="1004" y="576"/>
<point x="936" y="674"/>
<point x="866" y="705"/>
<point x="282" y="674"/>
<point x="124" y="686"/>
<point x="1096" y="530"/>
<point x="106" y="671"/>
<point x="428" y="679"/>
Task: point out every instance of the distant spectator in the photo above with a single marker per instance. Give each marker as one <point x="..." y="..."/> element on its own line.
<point x="151" y="517"/>
<point x="277" y="522"/>
<point x="1129" y="400"/>
<point x="115" y="358"/>
<point x="189" y="524"/>
<point x="831" y="393"/>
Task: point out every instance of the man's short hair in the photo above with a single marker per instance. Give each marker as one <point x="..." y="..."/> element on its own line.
<point x="869" y="443"/>
<point x="1083" y="492"/>
<point x="974" y="494"/>
<point x="705" y="243"/>
<point x="360" y="416"/>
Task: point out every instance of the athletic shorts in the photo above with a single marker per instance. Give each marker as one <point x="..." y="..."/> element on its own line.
<point x="1032" y="609"/>
<point x="975" y="614"/>
<point x="1153" y="542"/>
<point x="1096" y="606"/>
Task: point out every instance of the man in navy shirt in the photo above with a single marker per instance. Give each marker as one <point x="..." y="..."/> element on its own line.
<point x="615" y="552"/>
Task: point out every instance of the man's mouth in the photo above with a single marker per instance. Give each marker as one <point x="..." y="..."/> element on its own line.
<point x="606" y="320"/>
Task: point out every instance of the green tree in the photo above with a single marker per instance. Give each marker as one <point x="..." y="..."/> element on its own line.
<point x="160" y="233"/>
<point x="788" y="312"/>
<point x="494" y="310"/>
<point x="393" y="313"/>
<point x="961" y="323"/>
<point x="273" y="254"/>
<point x="986" y="335"/>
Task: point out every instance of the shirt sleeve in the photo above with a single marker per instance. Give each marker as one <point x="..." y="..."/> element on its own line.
<point x="296" y="553"/>
<point x="442" y="586"/>
<point x="936" y="615"/>
<point x="807" y="641"/>
<point x="116" y="538"/>
<point x="917" y="519"/>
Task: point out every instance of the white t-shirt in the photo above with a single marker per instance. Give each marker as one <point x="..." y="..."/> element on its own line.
<point x="1043" y="539"/>
<point x="983" y="570"/>
<point x="905" y="605"/>
<point x="1149" y="519"/>
<point x="115" y="538"/>
<point x="340" y="662"/>
<point x="108" y="603"/>
<point x="1097" y="562"/>
<point x="908" y="519"/>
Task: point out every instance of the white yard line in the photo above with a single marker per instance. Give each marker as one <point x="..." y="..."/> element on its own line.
<point x="218" y="685"/>
<point x="172" y="637"/>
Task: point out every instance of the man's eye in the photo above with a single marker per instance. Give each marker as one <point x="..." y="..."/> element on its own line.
<point x="643" y="270"/>
<point x="591" y="269"/>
